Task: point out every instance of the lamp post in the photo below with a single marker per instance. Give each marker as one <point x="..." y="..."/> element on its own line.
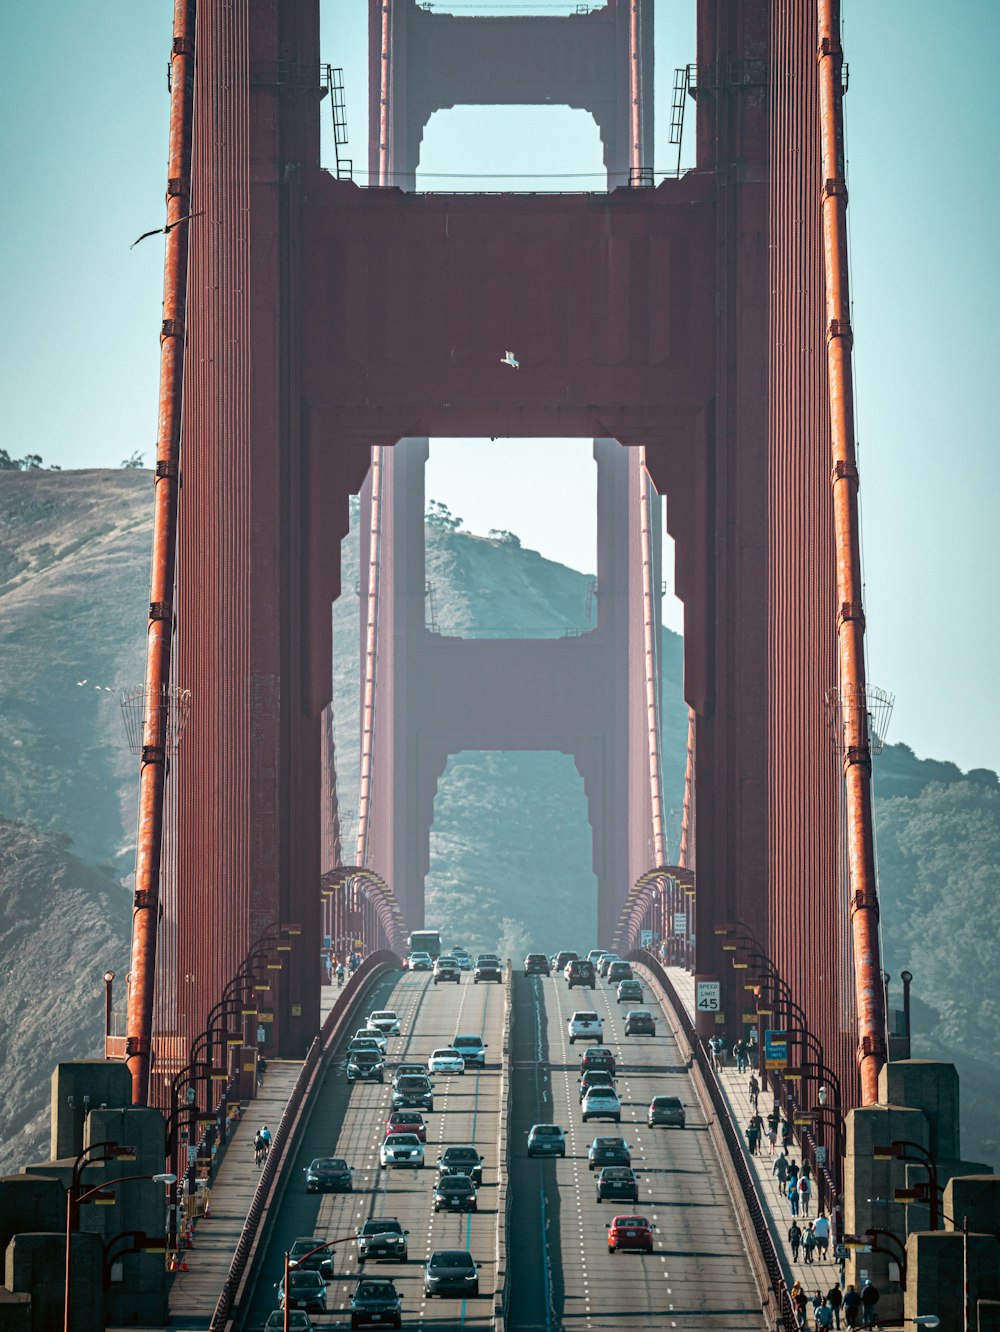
<point x="329" y="1244"/>
<point x="109" y="978"/>
<point x="74" y="1201"/>
<point x="898" y="1150"/>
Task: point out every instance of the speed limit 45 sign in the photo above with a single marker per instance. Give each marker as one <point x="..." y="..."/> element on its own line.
<point x="709" y="996"/>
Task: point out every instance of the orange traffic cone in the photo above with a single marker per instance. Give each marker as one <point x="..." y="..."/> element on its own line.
<point x="208" y="1207"/>
<point x="184" y="1263"/>
<point x="173" y="1262"/>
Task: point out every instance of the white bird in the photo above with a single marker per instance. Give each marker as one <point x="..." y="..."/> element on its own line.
<point x="508" y="358"/>
<point x="81" y="682"/>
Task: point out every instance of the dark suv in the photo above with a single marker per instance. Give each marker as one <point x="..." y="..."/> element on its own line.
<point x="667" y="1110"/>
<point x="382" y="1237"/>
<point x="580" y="972"/>
<point x="640" y="1022"/>
<point x="375" y="1302"/>
<point x="461" y="1161"/>
<point x="487" y="969"/>
<point x="413" y="1092"/>
<point x="365" y="1066"/>
<point x="537" y="964"/>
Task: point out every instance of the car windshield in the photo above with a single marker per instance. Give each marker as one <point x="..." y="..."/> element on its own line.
<point x="474" y="1042"/>
<point x="666" y="1102"/>
<point x="303" y="1246"/>
<point x="405" y="1117"/>
<point x="451" y="1258"/>
<point x="383" y="1227"/>
<point x="547" y="1131"/>
<point x="381" y="1017"/>
<point x="444" y="1054"/>
<point x="605" y="1143"/>
<point x="455" y="1184"/>
<point x="631" y="1221"/>
<point x="330" y="1163"/>
<point x="405" y="1140"/>
<point x="616" y="1172"/>
<point x="303" y="1279"/>
<point x="412" y="1083"/>
<point x="376" y="1290"/>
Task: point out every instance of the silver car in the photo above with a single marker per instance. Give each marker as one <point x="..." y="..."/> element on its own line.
<point x="602" y="1103"/>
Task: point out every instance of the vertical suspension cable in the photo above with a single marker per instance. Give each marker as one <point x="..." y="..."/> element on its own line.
<point x="850" y="614"/>
<point x="152" y="771"/>
<point x="371" y="657"/>
<point x="650" y="658"/>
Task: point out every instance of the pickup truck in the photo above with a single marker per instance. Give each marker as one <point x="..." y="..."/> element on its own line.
<point x="585" y="1027"/>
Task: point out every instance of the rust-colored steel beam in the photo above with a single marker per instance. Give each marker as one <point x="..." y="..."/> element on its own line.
<point x="850" y="615"/>
<point x="651" y="656"/>
<point x="686" y="854"/>
<point x="152" y="770"/>
<point x="634" y="90"/>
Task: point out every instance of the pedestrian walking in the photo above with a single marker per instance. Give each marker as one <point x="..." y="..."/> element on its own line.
<point x="774" y="1118"/>
<point x="793" y="1173"/>
<point x="754" y="1090"/>
<point x="822" y="1229"/>
<point x="786" y="1134"/>
<point x="801" y="1303"/>
<point x="753" y="1134"/>
<point x="807" y="1169"/>
<point x="772" y="1137"/>
<point x="869" y="1299"/>
<point x="823" y="1317"/>
<point x="795" y="1239"/>
<point x="793" y="1197"/>
<point x="852" y="1307"/>
<point x="809" y="1244"/>
<point x="780" y="1170"/>
<point x="805" y="1193"/>
<point x="817" y="1302"/>
<point x="835" y="1298"/>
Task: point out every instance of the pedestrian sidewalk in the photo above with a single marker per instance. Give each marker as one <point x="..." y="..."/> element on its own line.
<point x="736" y="1087"/>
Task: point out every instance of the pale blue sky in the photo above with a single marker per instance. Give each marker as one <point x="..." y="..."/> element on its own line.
<point x="84" y="114"/>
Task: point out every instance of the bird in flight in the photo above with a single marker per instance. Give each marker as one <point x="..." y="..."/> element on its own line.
<point x="165" y="231"/>
<point x="81" y="682"/>
<point x="508" y="358"/>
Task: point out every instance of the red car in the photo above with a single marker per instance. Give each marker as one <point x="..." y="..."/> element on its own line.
<point x="630" y="1232"/>
<point x="406" y="1121"/>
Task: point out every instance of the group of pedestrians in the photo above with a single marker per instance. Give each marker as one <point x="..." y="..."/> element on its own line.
<point x="814" y="1241"/>
<point x="772" y="1129"/>
<point x="859" y="1308"/>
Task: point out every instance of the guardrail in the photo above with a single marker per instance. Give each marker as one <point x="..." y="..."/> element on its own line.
<point x="501" y="1295"/>
<point x="374" y="966"/>
<point x="783" y="1312"/>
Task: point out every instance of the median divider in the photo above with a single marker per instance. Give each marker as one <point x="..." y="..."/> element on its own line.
<point x="776" y="1301"/>
<point x="500" y="1294"/>
<point x="298" y="1109"/>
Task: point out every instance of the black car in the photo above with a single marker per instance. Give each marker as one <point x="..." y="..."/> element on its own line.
<point x="595" y="1077"/>
<point x="537" y="964"/>
<point x="451" y="1272"/>
<point x="618" y="971"/>
<point x="608" y="1152"/>
<point x="306" y="1290"/>
<point x="640" y="1022"/>
<point x="365" y="1066"/>
<point x="376" y="1302"/>
<point x="599" y="1056"/>
<point x="455" y="1193"/>
<point x="667" y="1110"/>
<point x="580" y="972"/>
<point x="616" y="1183"/>
<point x="321" y="1262"/>
<point x="487" y="969"/>
<point x="461" y="1161"/>
<point x="413" y="1092"/>
<point x="382" y="1237"/>
<point x="629" y="992"/>
<point x="329" y="1174"/>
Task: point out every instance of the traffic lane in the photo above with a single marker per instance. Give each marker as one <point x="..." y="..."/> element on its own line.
<point x="348" y="1121"/>
<point x="536" y="1295"/>
<point x="699" y="1275"/>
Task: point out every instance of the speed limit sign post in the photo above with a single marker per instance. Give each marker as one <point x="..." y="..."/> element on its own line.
<point x="708" y="1004"/>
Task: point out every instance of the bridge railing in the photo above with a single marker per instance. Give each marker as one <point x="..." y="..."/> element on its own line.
<point x="740" y="1172"/>
<point x="373" y="966"/>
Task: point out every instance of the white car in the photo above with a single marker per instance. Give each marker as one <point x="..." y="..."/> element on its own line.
<point x="602" y="1103"/>
<point x="586" y="1026"/>
<point x="421" y="962"/>
<point x="372" y="1034"/>
<point x="385" y="1020"/>
<point x="446" y="1061"/>
<point x="402" y="1149"/>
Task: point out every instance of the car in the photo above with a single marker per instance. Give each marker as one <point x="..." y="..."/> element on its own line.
<point x="605" y="962"/>
<point x="630" y="1232"/>
<point x="601" y="1103"/>
<point x="406" y="1121"/>
<point x="401" y="1149"/>
<point x="537" y="964"/>
<point x="408" y="1070"/>
<point x="385" y="1020"/>
<point x="365" y="1066"/>
<point x="412" y="1092"/>
<point x="617" y="1182"/>
<point x="329" y="1174"/>
<point x="580" y="972"/>
<point x="594" y="955"/>
<point x="560" y="959"/>
<point x="321" y="1261"/>
<point x="376" y="1303"/>
<point x="445" y="1060"/>
<point x="382" y="1237"/>
<point x="451" y="1272"/>
<point x="372" y="1038"/>
<point x="462" y="958"/>
<point x="421" y="962"/>
<point x="546" y="1140"/>
<point x="487" y="969"/>
<point x="472" y="1049"/>
<point x="585" y="1026"/>
<point x="599" y="1056"/>
<point x="461" y="1160"/>
<point x="447" y="969"/>
<point x="618" y="971"/>
<point x="608" y="1152"/>
<point x="455" y="1193"/>
<point x="666" y="1110"/>
<point x="629" y="991"/>
<point x="640" y="1022"/>
<point x="594" y="1077"/>
<point x="298" y="1321"/>
<point x="306" y="1290"/>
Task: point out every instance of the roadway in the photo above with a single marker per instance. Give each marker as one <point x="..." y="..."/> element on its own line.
<point x="347" y="1121"/>
<point x="699" y="1276"/>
